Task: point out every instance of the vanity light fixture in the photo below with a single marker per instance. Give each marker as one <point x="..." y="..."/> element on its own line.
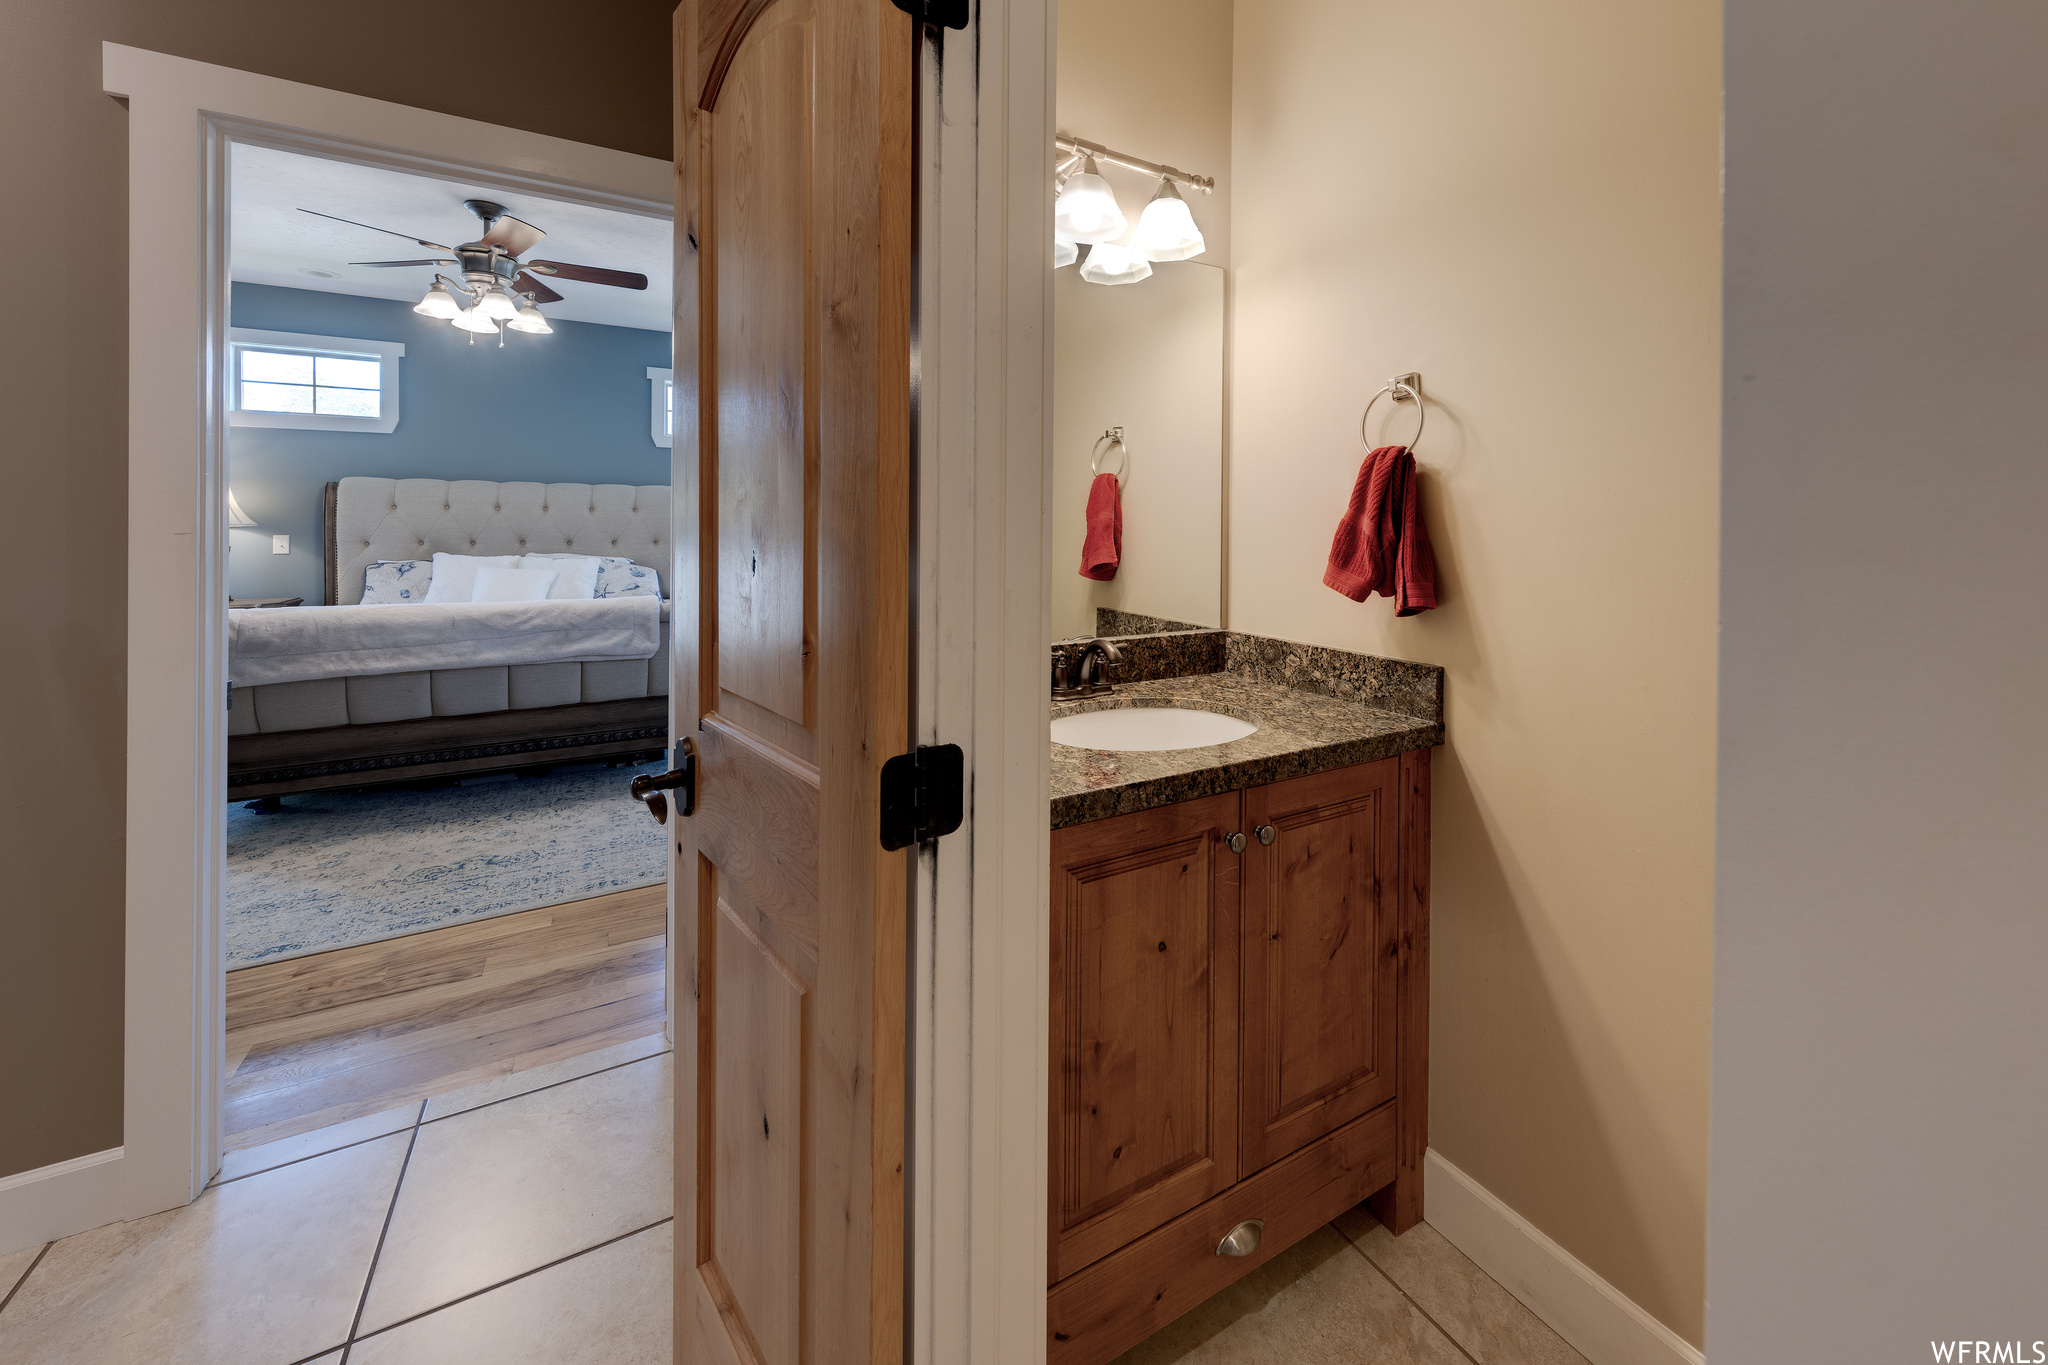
<point x="1166" y="230"/>
<point x="1086" y="210"/>
<point x="1064" y="253"/>
<point x="1109" y="263"/>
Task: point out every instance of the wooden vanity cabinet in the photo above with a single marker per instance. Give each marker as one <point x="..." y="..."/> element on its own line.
<point x="1235" y="1035"/>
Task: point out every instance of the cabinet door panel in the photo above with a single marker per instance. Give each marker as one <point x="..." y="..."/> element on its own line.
<point x="1320" y="934"/>
<point x="1144" y="1005"/>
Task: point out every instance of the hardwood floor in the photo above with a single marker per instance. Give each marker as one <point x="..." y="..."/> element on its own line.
<point x="336" y="1036"/>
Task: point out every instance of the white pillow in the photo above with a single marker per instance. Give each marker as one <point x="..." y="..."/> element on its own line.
<point x="575" y="575"/>
<point x="455" y="575"/>
<point x="495" y="584"/>
<point x="390" y="582"/>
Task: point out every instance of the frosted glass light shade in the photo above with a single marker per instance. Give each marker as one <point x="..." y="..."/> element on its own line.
<point x="438" y="303"/>
<point x="498" y="305"/>
<point x="530" y="320"/>
<point x="1166" y="230"/>
<point x="1064" y="253"/>
<point x="1109" y="263"/>
<point x="237" y="518"/>
<point x="476" y="320"/>
<point x="1086" y="210"/>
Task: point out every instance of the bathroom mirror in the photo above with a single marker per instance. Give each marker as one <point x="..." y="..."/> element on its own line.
<point x="1147" y="357"/>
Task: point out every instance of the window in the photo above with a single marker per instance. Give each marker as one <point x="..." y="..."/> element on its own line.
<point x="290" y="379"/>
<point x="663" y="413"/>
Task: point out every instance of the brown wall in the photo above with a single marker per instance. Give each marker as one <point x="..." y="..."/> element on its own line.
<point x="601" y="77"/>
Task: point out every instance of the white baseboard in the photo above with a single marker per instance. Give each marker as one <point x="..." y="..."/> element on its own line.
<point x="55" y="1201"/>
<point x="1604" y="1324"/>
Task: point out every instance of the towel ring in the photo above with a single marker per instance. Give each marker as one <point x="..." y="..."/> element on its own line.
<point x="1115" y="435"/>
<point x="1400" y="387"/>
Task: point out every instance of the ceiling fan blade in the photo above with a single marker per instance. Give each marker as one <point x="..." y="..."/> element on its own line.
<point x="513" y="234"/>
<point x="437" y="246"/>
<point x="438" y="260"/>
<point x="590" y="274"/>
<point x="527" y="284"/>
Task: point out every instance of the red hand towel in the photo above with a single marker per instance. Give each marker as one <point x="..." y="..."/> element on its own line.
<point x="1415" y="574"/>
<point x="1104" y="545"/>
<point x="1360" y="559"/>
<point x="1381" y="545"/>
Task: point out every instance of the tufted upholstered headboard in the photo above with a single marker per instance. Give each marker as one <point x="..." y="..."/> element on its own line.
<point x="372" y="519"/>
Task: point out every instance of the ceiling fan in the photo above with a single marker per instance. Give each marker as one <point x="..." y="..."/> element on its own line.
<point x="499" y="286"/>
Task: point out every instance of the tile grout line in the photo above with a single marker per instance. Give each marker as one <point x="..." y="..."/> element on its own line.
<point x="363" y="1300"/>
<point x="551" y="1085"/>
<point x="1400" y="1289"/>
<point x="440" y="1118"/>
<point x="16" y="1289"/>
<point x="510" y="1279"/>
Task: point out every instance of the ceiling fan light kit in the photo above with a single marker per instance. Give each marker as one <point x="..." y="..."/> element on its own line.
<point x="496" y="285"/>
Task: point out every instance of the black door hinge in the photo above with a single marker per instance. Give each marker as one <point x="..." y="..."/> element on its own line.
<point x="944" y="13"/>
<point x="923" y="795"/>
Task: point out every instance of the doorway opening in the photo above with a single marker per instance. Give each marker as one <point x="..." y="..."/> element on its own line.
<point x="448" y="424"/>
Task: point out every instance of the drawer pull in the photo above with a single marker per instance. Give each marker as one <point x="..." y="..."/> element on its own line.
<point x="1243" y="1239"/>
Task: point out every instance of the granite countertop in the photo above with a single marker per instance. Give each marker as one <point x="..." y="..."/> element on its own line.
<point x="1300" y="732"/>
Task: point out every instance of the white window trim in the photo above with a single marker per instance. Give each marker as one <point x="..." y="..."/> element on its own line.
<point x="386" y="353"/>
<point x="659" y="385"/>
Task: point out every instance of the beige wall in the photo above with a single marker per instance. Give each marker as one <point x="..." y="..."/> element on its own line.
<point x="1521" y="203"/>
<point x="63" y="443"/>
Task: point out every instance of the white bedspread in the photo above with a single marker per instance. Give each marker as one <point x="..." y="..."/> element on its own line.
<point x="298" y="644"/>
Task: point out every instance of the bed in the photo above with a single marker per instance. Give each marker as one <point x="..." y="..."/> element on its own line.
<point x="387" y="694"/>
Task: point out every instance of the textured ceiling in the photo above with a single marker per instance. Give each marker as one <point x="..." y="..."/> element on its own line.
<point x="276" y="244"/>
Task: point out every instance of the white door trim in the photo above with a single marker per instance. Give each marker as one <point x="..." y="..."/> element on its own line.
<point x="183" y="116"/>
<point x="977" y="1019"/>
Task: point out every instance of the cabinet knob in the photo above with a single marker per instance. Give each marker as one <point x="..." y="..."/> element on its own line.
<point x="1235" y="842"/>
<point x="1267" y="834"/>
<point x="1243" y="1239"/>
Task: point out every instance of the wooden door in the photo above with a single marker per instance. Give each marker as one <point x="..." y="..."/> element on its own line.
<point x="792" y="372"/>
<point x="1144" y="1010"/>
<point x="1321" y="932"/>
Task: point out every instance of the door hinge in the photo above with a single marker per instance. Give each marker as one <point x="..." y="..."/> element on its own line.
<point x="944" y="13"/>
<point x="923" y="795"/>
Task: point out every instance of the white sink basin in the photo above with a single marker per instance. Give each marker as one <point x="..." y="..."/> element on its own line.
<point x="1145" y="729"/>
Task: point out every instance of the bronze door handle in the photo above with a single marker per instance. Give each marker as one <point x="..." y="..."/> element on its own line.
<point x="648" y="787"/>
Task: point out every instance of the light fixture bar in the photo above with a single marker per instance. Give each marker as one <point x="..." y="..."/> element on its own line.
<point x="1078" y="146"/>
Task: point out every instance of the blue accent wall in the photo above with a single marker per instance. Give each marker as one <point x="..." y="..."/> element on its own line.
<point x="571" y="407"/>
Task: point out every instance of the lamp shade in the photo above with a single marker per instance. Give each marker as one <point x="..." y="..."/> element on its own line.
<point x="498" y="305"/>
<point x="1166" y="230"/>
<point x="1086" y="210"/>
<point x="1064" y="253"/>
<point x="1109" y="263"/>
<point x="438" y="302"/>
<point x="475" y="320"/>
<point x="237" y="518"/>
<point x="530" y="320"/>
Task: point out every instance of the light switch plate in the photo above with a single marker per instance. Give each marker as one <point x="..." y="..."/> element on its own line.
<point x="280" y="545"/>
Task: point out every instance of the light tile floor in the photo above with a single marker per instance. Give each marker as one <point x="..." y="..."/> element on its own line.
<point x="524" y="1221"/>
<point x="1353" y="1292"/>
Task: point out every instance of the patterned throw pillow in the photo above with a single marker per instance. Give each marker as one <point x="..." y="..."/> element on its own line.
<point x="389" y="582"/>
<point x="621" y="577"/>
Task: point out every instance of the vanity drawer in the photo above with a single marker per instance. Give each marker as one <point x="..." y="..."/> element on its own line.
<point x="1113" y="1304"/>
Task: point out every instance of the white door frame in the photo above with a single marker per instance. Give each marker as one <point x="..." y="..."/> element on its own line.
<point x="183" y="117"/>
<point x="979" y="922"/>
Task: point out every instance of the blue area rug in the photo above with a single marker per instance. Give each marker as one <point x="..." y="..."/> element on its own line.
<point x="334" y="869"/>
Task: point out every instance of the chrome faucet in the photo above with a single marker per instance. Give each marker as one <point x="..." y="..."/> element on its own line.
<point x="1082" y="672"/>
